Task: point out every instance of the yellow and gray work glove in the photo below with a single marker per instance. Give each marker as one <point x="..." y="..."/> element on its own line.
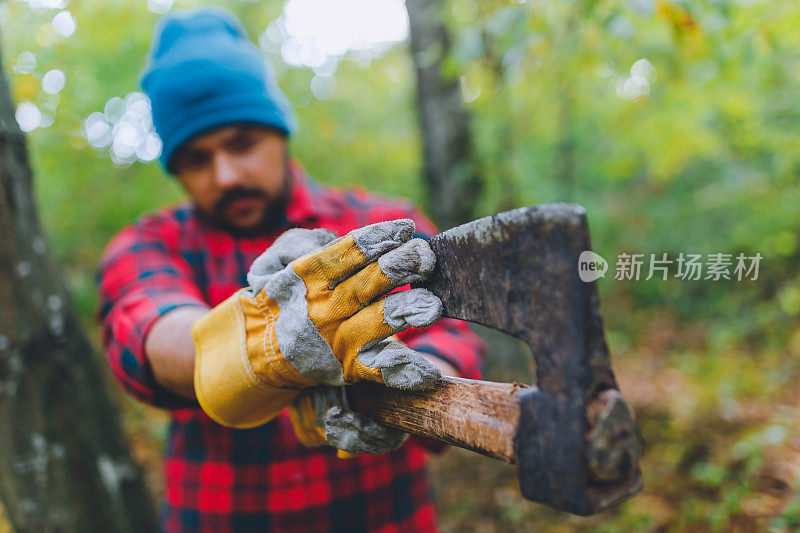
<point x="324" y="317"/>
<point x="320" y="415"/>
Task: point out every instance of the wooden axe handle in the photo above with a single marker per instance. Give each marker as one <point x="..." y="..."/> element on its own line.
<point x="484" y="416"/>
<point x="477" y="415"/>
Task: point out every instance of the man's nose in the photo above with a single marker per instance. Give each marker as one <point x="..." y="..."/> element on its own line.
<point x="226" y="172"/>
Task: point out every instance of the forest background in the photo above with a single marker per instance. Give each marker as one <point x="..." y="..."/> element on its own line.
<point x="676" y="124"/>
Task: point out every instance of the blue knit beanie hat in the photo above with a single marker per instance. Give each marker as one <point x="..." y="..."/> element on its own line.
<point x="203" y="72"/>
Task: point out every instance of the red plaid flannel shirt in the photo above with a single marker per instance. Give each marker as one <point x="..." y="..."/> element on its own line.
<point x="262" y="479"/>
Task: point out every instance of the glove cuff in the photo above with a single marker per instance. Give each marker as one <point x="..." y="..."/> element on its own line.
<point x="226" y="383"/>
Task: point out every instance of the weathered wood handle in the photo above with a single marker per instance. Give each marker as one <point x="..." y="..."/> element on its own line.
<point x="483" y="416"/>
<point x="477" y="415"/>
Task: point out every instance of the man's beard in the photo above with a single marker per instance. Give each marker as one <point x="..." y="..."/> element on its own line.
<point x="273" y="216"/>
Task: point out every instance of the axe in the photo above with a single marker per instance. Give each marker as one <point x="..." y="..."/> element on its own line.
<point x="572" y="434"/>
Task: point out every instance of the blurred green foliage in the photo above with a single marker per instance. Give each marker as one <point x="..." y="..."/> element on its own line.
<point x="675" y="124"/>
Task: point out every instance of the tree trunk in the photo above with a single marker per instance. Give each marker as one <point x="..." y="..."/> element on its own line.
<point x="64" y="462"/>
<point x="499" y="162"/>
<point x="453" y="186"/>
<point x="565" y="153"/>
<point x="565" y="148"/>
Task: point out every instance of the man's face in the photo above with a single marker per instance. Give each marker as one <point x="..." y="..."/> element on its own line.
<point x="236" y="175"/>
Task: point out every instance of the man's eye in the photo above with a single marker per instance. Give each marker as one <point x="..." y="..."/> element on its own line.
<point x="192" y="161"/>
<point x="241" y="143"/>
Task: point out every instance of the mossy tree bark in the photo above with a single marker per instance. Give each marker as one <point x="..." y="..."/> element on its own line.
<point x="64" y="462"/>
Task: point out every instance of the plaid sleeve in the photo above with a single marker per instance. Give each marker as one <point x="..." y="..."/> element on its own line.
<point x="141" y="277"/>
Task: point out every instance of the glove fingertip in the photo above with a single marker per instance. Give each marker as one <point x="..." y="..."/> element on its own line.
<point x="377" y="239"/>
<point x="419" y="374"/>
<point x="412" y="308"/>
<point x="412" y="262"/>
<point x="355" y="433"/>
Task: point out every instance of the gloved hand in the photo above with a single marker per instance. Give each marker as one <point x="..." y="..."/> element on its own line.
<point x="321" y="318"/>
<point x="320" y="415"/>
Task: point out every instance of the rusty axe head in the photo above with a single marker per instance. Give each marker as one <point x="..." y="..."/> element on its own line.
<point x="576" y="443"/>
